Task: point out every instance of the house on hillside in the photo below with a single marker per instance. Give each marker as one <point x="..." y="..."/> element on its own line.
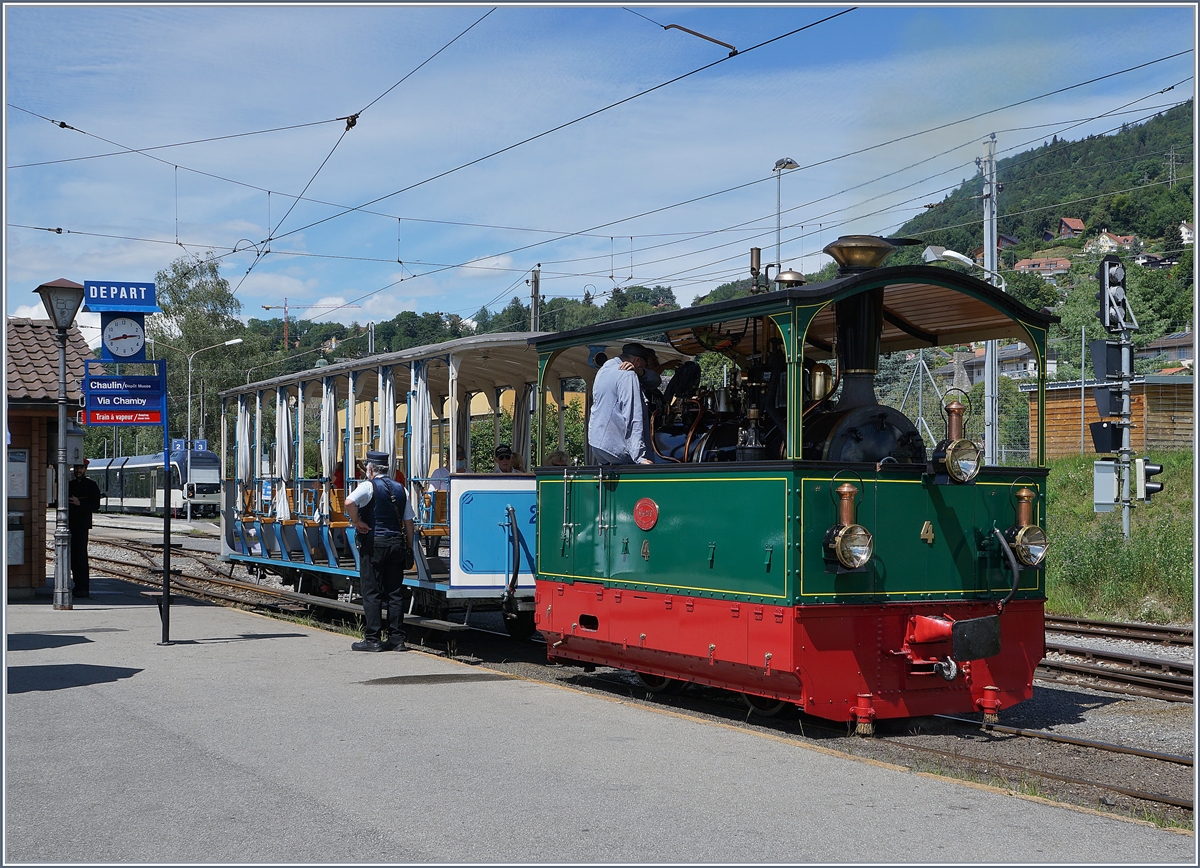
<point x="1106" y="242"/>
<point x="1002" y="241"/>
<point x="1069" y="227"/>
<point x="1048" y="267"/>
<point x="1156" y="260"/>
<point x="1187" y="232"/>
<point x="1015" y="361"/>
<point x="1178" y="347"/>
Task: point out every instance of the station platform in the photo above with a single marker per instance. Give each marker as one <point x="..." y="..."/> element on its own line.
<point x="252" y="740"/>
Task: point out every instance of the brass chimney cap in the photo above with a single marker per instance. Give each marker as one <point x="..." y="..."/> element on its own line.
<point x="859" y="252"/>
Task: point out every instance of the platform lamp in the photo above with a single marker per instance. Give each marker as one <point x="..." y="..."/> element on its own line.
<point x="780" y="166"/>
<point x="188" y="442"/>
<point x="62" y="299"/>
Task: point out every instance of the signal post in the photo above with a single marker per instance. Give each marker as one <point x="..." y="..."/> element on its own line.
<point x="1113" y="361"/>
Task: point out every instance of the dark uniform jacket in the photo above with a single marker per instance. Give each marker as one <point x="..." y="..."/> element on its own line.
<point x="89" y="501"/>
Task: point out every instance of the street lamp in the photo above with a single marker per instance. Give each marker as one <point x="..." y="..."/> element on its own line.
<point x="991" y="385"/>
<point x="780" y="166"/>
<point x="188" y="439"/>
<point x="933" y="254"/>
<point x="62" y="299"/>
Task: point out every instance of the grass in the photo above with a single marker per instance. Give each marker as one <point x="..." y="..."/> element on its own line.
<point x="1092" y="571"/>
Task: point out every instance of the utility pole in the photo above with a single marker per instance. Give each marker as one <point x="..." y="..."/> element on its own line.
<point x="535" y="290"/>
<point x="302" y="307"/>
<point x="991" y="384"/>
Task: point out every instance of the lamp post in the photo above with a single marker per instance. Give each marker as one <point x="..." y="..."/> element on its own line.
<point x="780" y="166"/>
<point x="188" y="440"/>
<point x="991" y="385"/>
<point x="62" y="299"/>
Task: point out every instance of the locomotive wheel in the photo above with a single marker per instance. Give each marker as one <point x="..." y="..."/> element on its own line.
<point x="764" y="706"/>
<point x="520" y="627"/>
<point x="659" y="683"/>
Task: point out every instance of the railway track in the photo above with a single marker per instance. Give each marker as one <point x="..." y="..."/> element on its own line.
<point x="974" y="764"/>
<point x="1165" y="635"/>
<point x="1153" y="677"/>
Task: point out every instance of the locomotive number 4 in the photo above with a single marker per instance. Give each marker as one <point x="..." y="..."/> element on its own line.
<point x="927" y="532"/>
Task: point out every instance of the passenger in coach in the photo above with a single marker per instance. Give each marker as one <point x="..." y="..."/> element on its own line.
<point x="380" y="512"/>
<point x="618" y="418"/>
<point x="557" y="458"/>
<point x="504" y="459"/>
<point x="83" y="498"/>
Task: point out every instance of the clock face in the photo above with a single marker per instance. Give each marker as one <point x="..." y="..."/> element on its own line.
<point x="124" y="337"/>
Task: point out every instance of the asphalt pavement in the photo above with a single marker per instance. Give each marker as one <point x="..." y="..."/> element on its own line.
<point x="252" y="740"/>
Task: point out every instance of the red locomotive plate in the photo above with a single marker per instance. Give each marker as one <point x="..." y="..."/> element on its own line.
<point x="645" y="513"/>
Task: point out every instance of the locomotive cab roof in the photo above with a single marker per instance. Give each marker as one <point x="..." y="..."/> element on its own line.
<point x="923" y="306"/>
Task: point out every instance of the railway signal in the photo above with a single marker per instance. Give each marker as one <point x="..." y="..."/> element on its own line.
<point x="1143" y="471"/>
<point x="1115" y="314"/>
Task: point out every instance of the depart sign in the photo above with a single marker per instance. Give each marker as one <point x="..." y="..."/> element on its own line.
<point x="119" y="295"/>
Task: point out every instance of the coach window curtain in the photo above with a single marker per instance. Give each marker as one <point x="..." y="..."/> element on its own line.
<point x="420" y="424"/>
<point x="329" y="439"/>
<point x="283" y="454"/>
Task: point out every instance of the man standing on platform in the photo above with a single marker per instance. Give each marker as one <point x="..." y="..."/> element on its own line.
<point x="83" y="498"/>
<point x="383" y="518"/>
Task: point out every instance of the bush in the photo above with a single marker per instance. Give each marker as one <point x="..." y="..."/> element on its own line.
<point x="1093" y="571"/>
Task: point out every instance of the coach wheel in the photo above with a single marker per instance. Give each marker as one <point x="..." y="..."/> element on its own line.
<point x="520" y="627"/>
<point x="764" y="706"/>
<point x="659" y="683"/>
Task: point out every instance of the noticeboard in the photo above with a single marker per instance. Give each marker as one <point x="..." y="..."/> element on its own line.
<point x="18" y="473"/>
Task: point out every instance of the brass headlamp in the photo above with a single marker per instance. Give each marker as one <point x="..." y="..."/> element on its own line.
<point x="1028" y="541"/>
<point x="848" y="546"/>
<point x="956" y="458"/>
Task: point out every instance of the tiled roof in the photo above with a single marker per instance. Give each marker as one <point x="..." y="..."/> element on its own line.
<point x="1073" y="223"/>
<point x="1175" y="339"/>
<point x="31" y="359"/>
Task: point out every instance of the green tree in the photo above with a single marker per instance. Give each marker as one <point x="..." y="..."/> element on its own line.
<point x="1033" y="291"/>
<point x="200" y="311"/>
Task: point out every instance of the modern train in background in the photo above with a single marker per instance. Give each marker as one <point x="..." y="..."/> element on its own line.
<point x="284" y="512"/>
<point x="134" y="484"/>
<point x="796" y="539"/>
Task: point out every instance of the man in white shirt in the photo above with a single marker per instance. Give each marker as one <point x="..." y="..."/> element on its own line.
<point x="383" y="520"/>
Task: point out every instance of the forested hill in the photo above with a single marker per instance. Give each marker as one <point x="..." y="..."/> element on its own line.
<point x="1120" y="182"/>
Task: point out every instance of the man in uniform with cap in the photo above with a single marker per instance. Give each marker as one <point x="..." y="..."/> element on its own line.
<point x="383" y="518"/>
<point x="83" y="498"/>
<point x="616" y="427"/>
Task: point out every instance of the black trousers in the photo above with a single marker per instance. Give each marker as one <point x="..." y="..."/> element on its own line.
<point x="381" y="570"/>
<point x="79" y="562"/>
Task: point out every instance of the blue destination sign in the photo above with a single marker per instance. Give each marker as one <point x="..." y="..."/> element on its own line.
<point x="120" y="295"/>
<point x="122" y="401"/>
<point x="148" y="386"/>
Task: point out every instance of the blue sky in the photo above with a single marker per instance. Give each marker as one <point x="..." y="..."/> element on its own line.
<point x="148" y="76"/>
